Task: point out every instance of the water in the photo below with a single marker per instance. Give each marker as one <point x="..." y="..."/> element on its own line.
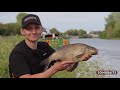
<point x="108" y="52"/>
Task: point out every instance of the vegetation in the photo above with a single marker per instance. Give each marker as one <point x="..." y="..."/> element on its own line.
<point x="7" y="44"/>
<point x="54" y="43"/>
<point x="12" y="28"/>
<point x="86" y="70"/>
<point x="75" y="32"/>
<point x="72" y="32"/>
<point x="10" y="37"/>
<point x="55" y="31"/>
<point x="112" y="27"/>
<point x="111" y="31"/>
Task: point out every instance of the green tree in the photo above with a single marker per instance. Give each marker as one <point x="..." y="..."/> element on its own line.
<point x="75" y="32"/>
<point x="112" y="27"/>
<point x="81" y="32"/>
<point x="12" y="28"/>
<point x="20" y="16"/>
<point x="55" y="31"/>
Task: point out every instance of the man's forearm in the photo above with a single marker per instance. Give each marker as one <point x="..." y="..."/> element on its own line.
<point x="46" y="74"/>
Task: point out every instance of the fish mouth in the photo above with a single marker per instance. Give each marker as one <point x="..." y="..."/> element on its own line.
<point x="96" y="53"/>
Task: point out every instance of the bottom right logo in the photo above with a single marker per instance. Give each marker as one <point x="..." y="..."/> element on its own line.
<point x="107" y="72"/>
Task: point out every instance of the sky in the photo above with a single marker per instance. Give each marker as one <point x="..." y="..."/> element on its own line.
<point x="63" y="21"/>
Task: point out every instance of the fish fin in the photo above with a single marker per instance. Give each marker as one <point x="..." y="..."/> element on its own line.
<point x="72" y="67"/>
<point x="46" y="63"/>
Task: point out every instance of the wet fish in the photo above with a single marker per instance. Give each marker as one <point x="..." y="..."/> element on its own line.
<point x="73" y="52"/>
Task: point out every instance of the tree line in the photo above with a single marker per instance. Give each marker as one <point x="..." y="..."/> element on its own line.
<point x="71" y="32"/>
<point x="112" y="26"/>
<point x="12" y="28"/>
<point x="111" y="30"/>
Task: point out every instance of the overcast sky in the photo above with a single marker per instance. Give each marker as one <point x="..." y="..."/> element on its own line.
<point x="89" y="21"/>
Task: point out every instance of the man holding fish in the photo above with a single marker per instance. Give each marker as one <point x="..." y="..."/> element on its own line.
<point x="29" y="58"/>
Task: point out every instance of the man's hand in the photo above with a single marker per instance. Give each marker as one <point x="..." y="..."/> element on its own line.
<point x="62" y="65"/>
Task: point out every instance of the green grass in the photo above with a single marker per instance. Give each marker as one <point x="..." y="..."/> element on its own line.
<point x="7" y="44"/>
<point x="84" y="70"/>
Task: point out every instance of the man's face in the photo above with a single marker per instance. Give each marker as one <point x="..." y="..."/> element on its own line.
<point x="32" y="32"/>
